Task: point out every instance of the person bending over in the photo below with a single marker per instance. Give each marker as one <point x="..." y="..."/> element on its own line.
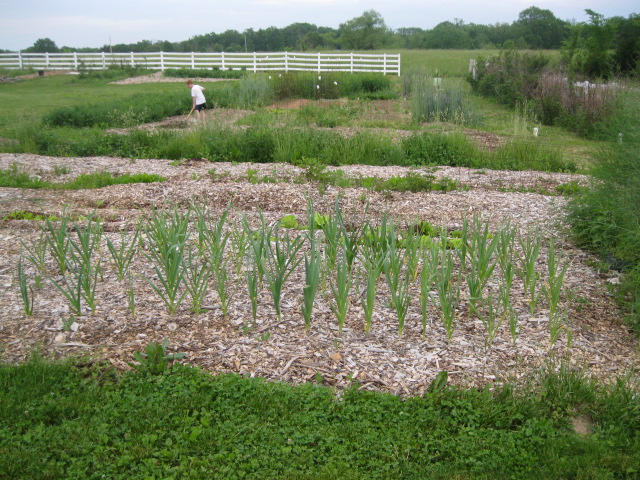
<point x="199" y="102"/>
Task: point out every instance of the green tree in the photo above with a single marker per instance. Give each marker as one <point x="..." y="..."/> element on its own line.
<point x="366" y="32"/>
<point x="540" y="28"/>
<point x="589" y="50"/>
<point x="43" y="45"/>
<point x="448" y="35"/>
<point x="627" y="49"/>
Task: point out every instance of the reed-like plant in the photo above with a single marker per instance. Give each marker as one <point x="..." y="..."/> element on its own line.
<point x="332" y="238"/>
<point x="448" y="289"/>
<point x="258" y="240"/>
<point x="35" y="251"/>
<point x="482" y="245"/>
<point x="168" y="234"/>
<point x="123" y="255"/>
<point x="350" y="234"/>
<point x="26" y="291"/>
<point x="279" y="262"/>
<point x="71" y="288"/>
<point x="253" y="284"/>
<point x="240" y="244"/>
<point x="312" y="267"/>
<point x="491" y="318"/>
<point x="398" y="281"/>
<point x="341" y="289"/>
<point x="197" y="275"/>
<point x="84" y="267"/>
<point x="552" y="289"/>
<point x="430" y="259"/>
<point x="372" y="262"/>
<point x="530" y="246"/>
<point x="57" y="239"/>
<point x="131" y="297"/>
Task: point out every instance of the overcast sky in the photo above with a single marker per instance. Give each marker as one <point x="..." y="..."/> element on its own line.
<point x="89" y="23"/>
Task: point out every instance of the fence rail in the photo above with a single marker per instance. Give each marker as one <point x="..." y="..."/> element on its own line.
<point x="255" y="62"/>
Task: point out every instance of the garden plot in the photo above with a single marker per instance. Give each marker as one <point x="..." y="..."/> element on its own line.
<point x="400" y="355"/>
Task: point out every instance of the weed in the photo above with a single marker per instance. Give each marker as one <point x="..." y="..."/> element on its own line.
<point x="155" y="360"/>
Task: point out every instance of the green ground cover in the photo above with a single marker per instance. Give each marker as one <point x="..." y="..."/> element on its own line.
<point x="62" y="421"/>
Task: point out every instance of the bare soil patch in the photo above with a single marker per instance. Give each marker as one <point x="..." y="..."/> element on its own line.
<point x="283" y="350"/>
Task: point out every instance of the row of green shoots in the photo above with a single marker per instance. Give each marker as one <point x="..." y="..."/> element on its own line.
<point x="452" y="275"/>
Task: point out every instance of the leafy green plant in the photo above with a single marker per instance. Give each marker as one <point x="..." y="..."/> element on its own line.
<point x="155" y="360"/>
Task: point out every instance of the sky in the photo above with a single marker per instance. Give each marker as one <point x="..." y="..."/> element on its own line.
<point x="89" y="23"/>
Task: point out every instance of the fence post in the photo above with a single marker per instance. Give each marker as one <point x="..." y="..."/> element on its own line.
<point x="75" y="60"/>
<point x="351" y="66"/>
<point x="104" y="61"/>
<point x="161" y="60"/>
<point x="222" y="67"/>
<point x="319" y="63"/>
<point x="193" y="61"/>
<point x="20" y="60"/>
<point x="255" y="63"/>
<point x="46" y="59"/>
<point x="132" y="62"/>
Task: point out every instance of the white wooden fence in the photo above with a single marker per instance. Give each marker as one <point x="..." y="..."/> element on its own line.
<point x="255" y="62"/>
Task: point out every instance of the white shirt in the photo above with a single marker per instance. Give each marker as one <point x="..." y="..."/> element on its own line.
<point x="196" y="91"/>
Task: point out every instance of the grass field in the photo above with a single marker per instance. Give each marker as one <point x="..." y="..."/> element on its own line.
<point x="25" y="103"/>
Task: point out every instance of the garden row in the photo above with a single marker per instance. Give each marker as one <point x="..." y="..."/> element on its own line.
<point x="455" y="275"/>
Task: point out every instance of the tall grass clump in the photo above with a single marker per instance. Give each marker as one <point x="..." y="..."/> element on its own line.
<point x="605" y="219"/>
<point x="251" y="91"/>
<point x="438" y="100"/>
<point x="528" y="154"/>
<point x="440" y="149"/>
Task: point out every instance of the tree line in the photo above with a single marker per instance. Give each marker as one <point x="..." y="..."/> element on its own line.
<point x="615" y="40"/>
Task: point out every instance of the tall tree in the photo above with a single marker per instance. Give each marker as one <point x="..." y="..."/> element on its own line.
<point x="43" y="45"/>
<point x="540" y="28"/>
<point x="366" y="32"/>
